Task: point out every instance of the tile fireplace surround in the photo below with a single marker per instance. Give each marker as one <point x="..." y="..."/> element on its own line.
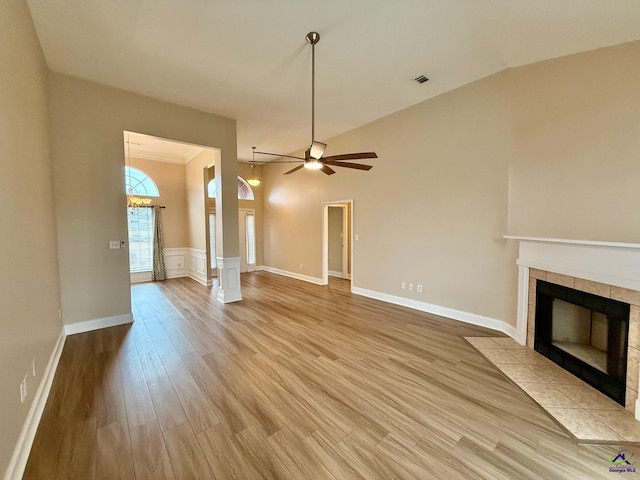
<point x="610" y="270"/>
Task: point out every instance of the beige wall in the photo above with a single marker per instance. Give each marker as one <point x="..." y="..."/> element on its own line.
<point x="88" y="121"/>
<point x="29" y="288"/>
<point x="549" y="149"/>
<point x="170" y="180"/>
<point x="432" y="210"/>
<point x="197" y="197"/>
<point x="575" y="172"/>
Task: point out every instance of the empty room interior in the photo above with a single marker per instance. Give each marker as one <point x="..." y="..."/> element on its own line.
<point x="319" y="240"/>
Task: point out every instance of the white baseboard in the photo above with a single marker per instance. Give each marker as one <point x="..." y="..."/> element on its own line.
<point x="297" y="276"/>
<point x="454" y="314"/>
<point x="201" y="280"/>
<point x="89" y="325"/>
<point x="514" y="333"/>
<point x="333" y="273"/>
<point x="18" y="462"/>
<point x="140" y="277"/>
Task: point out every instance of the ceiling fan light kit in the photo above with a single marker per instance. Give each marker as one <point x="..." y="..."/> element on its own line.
<point x="317" y="149"/>
<point x="314" y="158"/>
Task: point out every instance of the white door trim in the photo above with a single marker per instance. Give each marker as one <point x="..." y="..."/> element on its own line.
<point x="325" y="237"/>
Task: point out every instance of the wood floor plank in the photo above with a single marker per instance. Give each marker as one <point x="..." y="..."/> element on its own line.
<point x="109" y="399"/>
<point x="136" y="393"/>
<point x="296" y="381"/>
<point x="151" y="460"/>
<point x="362" y="456"/>
<point x="224" y="458"/>
<point x="324" y="449"/>
<point x="253" y="445"/>
<point x="166" y="403"/>
<point x="295" y="456"/>
<point x="113" y="452"/>
<point x="199" y="411"/>
<point x="78" y="463"/>
<point x="187" y="458"/>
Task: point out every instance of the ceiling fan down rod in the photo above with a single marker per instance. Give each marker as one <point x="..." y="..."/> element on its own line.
<point x="313" y="38"/>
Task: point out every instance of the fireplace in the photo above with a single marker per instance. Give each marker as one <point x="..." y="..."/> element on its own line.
<point x="585" y="334"/>
<point x="605" y="269"/>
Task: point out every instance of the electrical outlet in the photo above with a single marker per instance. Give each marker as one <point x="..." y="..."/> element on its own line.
<point x="419" y="288"/>
<point x="404" y="285"/>
<point x="411" y="286"/>
<point x="300" y="266"/>
<point x="114" y="244"/>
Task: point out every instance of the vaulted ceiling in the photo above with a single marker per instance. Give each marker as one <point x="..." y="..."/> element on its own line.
<point x="248" y="59"/>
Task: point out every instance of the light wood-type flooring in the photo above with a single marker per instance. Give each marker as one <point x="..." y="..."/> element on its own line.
<point x="299" y="382"/>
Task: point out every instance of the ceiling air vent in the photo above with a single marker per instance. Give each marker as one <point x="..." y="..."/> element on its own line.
<point x="421" y="79"/>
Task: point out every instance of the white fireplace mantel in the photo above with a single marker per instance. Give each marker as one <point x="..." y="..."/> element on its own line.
<point x="612" y="263"/>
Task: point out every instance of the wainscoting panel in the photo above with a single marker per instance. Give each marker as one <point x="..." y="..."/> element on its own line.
<point x="197" y="264"/>
<point x="175" y="262"/>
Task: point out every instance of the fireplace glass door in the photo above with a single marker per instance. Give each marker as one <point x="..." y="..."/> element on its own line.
<point x="585" y="334"/>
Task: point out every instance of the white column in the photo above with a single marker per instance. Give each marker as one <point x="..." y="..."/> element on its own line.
<point x="229" y="279"/>
<point x="523" y="304"/>
<point x="227" y="228"/>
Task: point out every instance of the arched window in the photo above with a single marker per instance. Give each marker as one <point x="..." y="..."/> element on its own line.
<point x="139" y="183"/>
<point x="140" y="221"/>
<point x="244" y="190"/>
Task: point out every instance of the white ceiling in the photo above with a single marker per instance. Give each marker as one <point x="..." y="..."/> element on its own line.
<point x="248" y="59"/>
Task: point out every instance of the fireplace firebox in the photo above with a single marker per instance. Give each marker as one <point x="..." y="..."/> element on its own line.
<point x="585" y="334"/>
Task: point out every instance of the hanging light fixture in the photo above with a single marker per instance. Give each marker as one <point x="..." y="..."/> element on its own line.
<point x="254" y="181"/>
<point x="133" y="202"/>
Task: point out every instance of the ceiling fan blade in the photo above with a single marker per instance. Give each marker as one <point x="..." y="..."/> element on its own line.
<point x="351" y="156"/>
<point x="357" y="166"/>
<point x="280" y="155"/>
<point x="294" y="169"/>
<point x="327" y="170"/>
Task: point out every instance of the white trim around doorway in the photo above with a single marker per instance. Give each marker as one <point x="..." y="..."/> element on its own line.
<point x="325" y="238"/>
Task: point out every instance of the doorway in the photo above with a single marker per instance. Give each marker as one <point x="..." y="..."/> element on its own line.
<point x="337" y="246"/>
<point x="246" y="237"/>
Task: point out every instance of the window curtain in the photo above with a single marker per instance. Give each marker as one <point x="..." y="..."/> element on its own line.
<point x="159" y="272"/>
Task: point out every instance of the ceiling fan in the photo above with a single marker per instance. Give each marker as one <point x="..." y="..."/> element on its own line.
<point x="314" y="158"/>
